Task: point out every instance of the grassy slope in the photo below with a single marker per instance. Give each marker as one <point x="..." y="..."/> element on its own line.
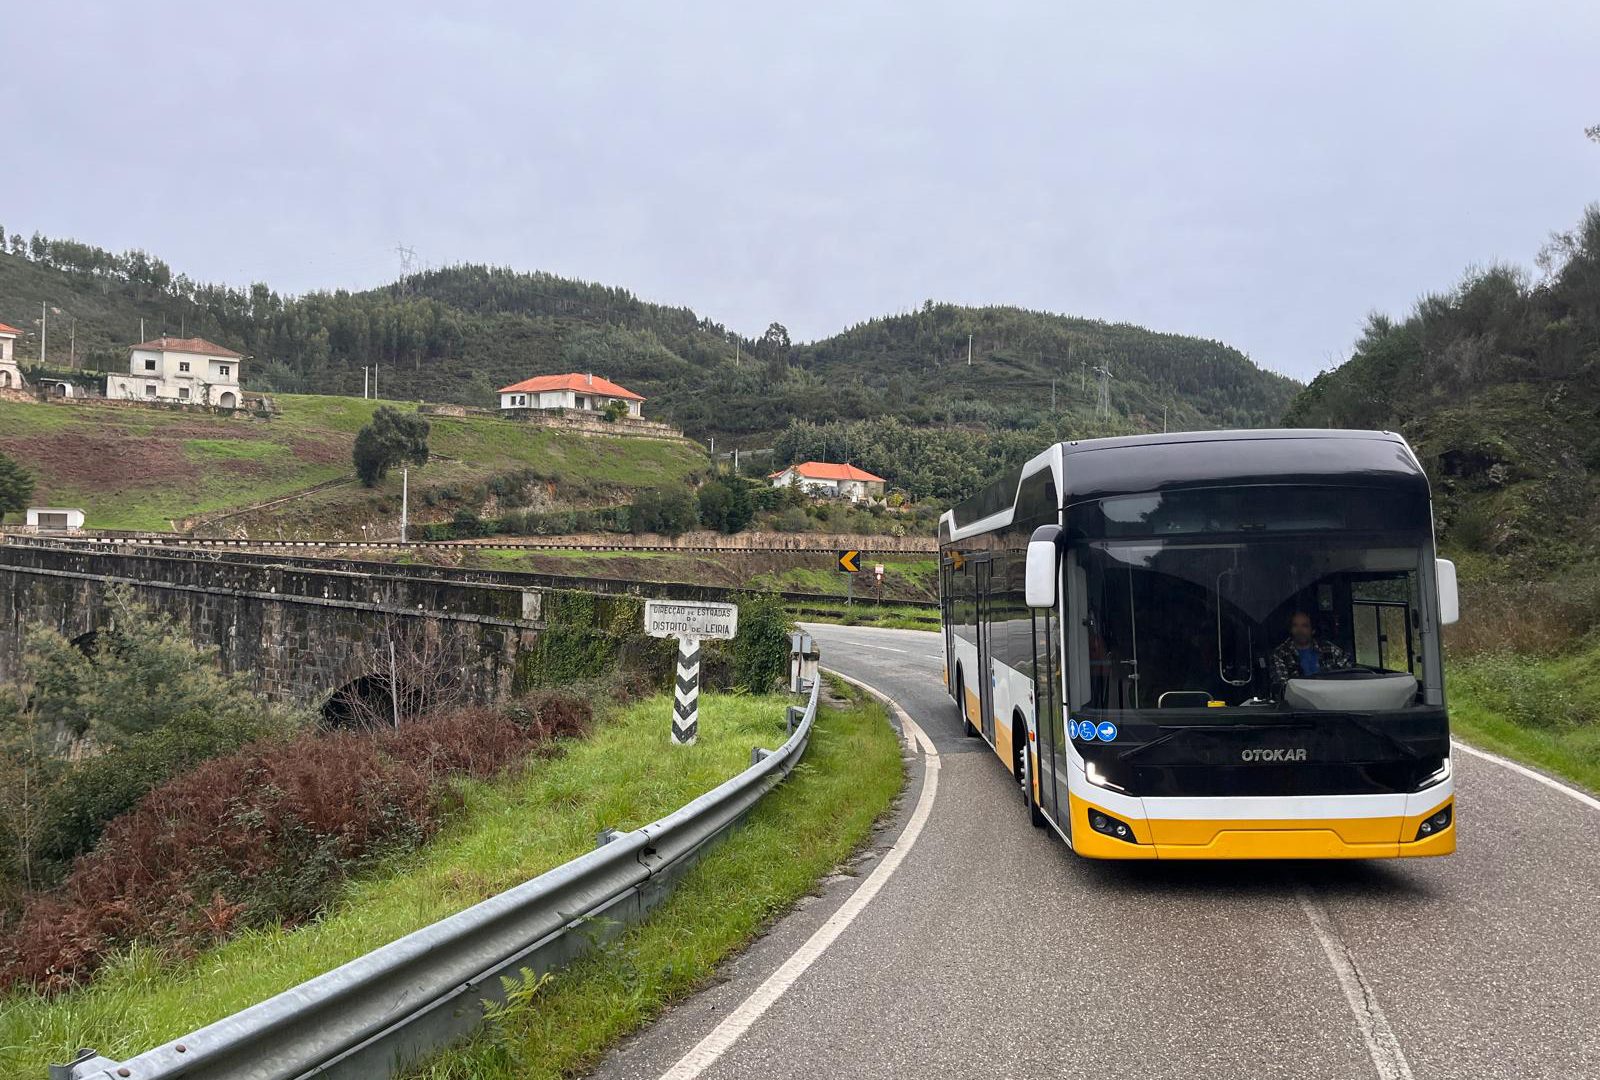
<point x="801" y="831"/>
<point x="132" y="468"/>
<point x="1545" y="712"/>
<point x="623" y="776"/>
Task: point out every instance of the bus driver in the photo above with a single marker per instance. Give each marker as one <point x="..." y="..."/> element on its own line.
<point x="1303" y="653"/>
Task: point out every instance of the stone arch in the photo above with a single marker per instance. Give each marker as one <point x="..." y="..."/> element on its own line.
<point x="359" y="705"/>
<point x="228" y="400"/>
<point x="5" y="379"/>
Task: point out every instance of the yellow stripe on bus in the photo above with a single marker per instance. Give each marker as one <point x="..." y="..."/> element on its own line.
<point x="1299" y="838"/>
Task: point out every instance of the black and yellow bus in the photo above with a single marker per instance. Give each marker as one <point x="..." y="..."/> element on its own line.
<point x="1213" y="645"/>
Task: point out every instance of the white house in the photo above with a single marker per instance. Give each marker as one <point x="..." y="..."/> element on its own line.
<point x="55" y="518"/>
<point x="10" y="372"/>
<point x="189" y="370"/>
<point x="827" y="478"/>
<point x="582" y="392"/>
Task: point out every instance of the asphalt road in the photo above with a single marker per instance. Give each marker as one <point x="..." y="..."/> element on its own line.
<point x="992" y="951"/>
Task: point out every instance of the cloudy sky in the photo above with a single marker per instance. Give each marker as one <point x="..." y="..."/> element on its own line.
<point x="1261" y="173"/>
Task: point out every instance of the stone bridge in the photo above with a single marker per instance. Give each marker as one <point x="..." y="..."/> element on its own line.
<point x="321" y="635"/>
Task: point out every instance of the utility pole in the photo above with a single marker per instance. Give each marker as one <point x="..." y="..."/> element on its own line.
<point x="1163" y="419"/>
<point x="1052" y="393"/>
<point x="374" y="382"/>
<point x="141" y="329"/>
<point x="366" y="374"/>
<point x="405" y="501"/>
<point x="72" y="345"/>
<point x="44" y="329"/>
<point x="969" y="350"/>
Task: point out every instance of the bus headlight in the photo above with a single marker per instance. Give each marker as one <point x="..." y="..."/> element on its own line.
<point x="1092" y="773"/>
<point x="1435" y="824"/>
<point x="1102" y="822"/>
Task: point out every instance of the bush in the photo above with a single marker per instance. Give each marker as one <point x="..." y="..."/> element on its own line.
<point x="1524" y="690"/>
<point x="725" y="505"/>
<point x="761" y="647"/>
<point x="669" y="511"/>
<point x="263" y="835"/>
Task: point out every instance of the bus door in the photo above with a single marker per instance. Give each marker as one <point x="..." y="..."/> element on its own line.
<point x="947" y="616"/>
<point x="983" y="576"/>
<point x="1047" y="702"/>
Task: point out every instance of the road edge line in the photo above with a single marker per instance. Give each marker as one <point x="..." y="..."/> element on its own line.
<point x="746" y="1013"/>
<point x="1532" y="774"/>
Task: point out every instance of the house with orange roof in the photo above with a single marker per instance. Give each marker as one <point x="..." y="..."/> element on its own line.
<point x="190" y="371"/>
<point x="828" y="478"/>
<point x="10" y="371"/>
<point x="584" y="393"/>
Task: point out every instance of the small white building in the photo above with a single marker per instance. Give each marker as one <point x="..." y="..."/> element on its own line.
<point x="186" y="370"/>
<point x="585" y="393"/>
<point x="10" y="371"/>
<point x="828" y="478"/>
<point x="55" y="518"/>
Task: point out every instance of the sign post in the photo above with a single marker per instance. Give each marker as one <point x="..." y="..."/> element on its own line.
<point x="691" y="622"/>
<point x="877" y="575"/>
<point x="850" y="565"/>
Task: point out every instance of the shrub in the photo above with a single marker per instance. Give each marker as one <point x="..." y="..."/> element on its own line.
<point x="1523" y="690"/>
<point x="265" y="834"/>
<point x="761" y="647"/>
<point x="670" y="511"/>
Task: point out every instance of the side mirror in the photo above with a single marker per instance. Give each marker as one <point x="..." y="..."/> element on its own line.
<point x="1449" y="596"/>
<point x="1039" y="585"/>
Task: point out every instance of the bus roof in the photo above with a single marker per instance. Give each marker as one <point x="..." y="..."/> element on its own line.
<point x="1132" y="464"/>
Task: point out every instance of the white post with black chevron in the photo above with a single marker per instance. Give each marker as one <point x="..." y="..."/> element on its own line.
<point x="686" y="693"/>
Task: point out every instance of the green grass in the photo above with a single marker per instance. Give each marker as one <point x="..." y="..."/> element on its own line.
<point x="1542" y="711"/>
<point x="562" y="1025"/>
<point x="865" y="613"/>
<point x="622" y="776"/>
<point x="139" y="468"/>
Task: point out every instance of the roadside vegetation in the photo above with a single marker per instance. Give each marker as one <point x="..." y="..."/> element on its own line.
<point x="1496" y="384"/>
<point x="813" y="822"/>
<point x="501" y="832"/>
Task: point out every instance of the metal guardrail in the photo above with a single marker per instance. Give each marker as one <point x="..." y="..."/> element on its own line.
<point x="383" y="1010"/>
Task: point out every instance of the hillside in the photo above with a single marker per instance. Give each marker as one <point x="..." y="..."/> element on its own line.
<point x="1497" y="384"/>
<point x="140" y="468"/>
<point x="459" y="333"/>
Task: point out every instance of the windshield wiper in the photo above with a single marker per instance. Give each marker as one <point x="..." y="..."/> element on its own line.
<point x="1405" y="748"/>
<point x="1174" y="732"/>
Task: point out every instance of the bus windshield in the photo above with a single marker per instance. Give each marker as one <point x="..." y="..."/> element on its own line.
<point x="1218" y="599"/>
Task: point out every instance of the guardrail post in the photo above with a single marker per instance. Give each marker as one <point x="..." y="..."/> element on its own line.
<point x="796" y="716"/>
<point x="803" y="658"/>
<point x="757" y="753"/>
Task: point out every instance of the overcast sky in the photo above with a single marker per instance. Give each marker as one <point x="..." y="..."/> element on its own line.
<point x="1261" y="173"/>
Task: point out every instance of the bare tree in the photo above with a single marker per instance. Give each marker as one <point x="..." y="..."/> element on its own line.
<point x="411" y="674"/>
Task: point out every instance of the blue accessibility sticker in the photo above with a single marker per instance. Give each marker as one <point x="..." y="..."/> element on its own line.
<point x="1107" y="731"/>
<point x="1084" y="730"/>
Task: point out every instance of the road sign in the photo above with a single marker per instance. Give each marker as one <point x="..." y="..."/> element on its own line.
<point x="690" y="621"/>
<point x="877" y="572"/>
<point x="698" y="619"/>
<point x="850" y="562"/>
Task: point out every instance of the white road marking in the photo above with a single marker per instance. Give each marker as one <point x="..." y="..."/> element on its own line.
<point x="1584" y="797"/>
<point x="736" y="1023"/>
<point x="869" y="645"/>
<point x="1382" y="1046"/>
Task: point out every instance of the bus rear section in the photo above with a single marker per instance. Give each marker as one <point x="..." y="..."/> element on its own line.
<point x="1233" y="648"/>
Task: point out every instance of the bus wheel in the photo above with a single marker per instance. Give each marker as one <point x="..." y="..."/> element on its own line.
<point x="1024" y="773"/>
<point x="961" y="705"/>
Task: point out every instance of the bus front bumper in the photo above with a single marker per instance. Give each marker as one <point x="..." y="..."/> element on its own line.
<point x="1378" y="837"/>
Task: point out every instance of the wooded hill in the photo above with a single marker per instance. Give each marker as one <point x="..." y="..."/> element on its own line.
<point x="1496" y="382"/>
<point x="457" y="334"/>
